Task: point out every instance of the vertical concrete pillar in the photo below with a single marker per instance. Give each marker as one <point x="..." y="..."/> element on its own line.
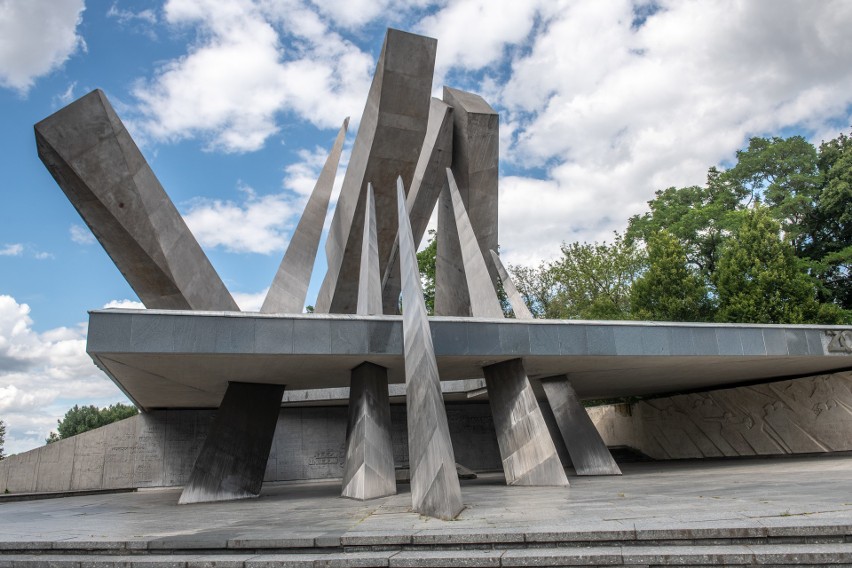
<point x="475" y="162"/>
<point x="529" y="456"/>
<point x="435" y="489"/>
<point x="369" y="469"/>
<point x="233" y="458"/>
<point x="587" y="449"/>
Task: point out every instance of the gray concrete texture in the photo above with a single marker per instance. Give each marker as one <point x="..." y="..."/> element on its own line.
<point x="474" y="165"/>
<point x="369" y="279"/>
<point x="387" y="145"/>
<point x="519" y="307"/>
<point x="589" y="453"/>
<point x="91" y="156"/>
<point x="168" y="359"/>
<point x="526" y="447"/>
<point x="159" y="449"/>
<point x="793" y="502"/>
<point x="232" y="461"/>
<point x="289" y="288"/>
<point x="426" y="186"/>
<point x="801" y="416"/>
<point x="434" y="484"/>
<point x="368" y="470"/>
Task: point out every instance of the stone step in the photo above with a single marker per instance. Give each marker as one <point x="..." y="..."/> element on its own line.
<point x="728" y="555"/>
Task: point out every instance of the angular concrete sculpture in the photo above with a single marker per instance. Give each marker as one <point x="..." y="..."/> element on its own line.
<point x="290" y="285"/>
<point x="526" y="448"/>
<point x="369" y="469"/>
<point x="369" y="283"/>
<point x="519" y="307"/>
<point x="435" y="489"/>
<point x="429" y="180"/>
<point x="91" y="156"/>
<point x="233" y="458"/>
<point x="475" y="162"/>
<point x="529" y="456"/>
<point x="587" y="449"/>
<point x="387" y="145"/>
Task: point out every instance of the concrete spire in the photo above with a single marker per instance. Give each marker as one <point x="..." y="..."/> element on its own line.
<point x="519" y="307"/>
<point x="435" y="489"/>
<point x="290" y="285"/>
<point x="369" y="283"/>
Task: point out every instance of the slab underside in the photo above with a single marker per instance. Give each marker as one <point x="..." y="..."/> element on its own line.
<point x="171" y="359"/>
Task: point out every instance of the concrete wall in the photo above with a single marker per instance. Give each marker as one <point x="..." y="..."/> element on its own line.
<point x="159" y="448"/>
<point x="800" y="416"/>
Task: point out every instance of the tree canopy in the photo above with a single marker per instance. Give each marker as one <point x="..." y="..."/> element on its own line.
<point x="81" y="419"/>
<point x="2" y="438"/>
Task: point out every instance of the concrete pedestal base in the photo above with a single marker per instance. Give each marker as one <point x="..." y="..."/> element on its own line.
<point x="233" y="459"/>
<point x="587" y="449"/>
<point x="369" y="469"/>
<point x="529" y="456"/>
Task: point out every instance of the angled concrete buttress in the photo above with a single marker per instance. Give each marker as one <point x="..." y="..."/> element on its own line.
<point x="587" y="449"/>
<point x="519" y="307"/>
<point x="233" y="458"/>
<point x="290" y="285"/>
<point x="387" y="145"/>
<point x="475" y="161"/>
<point x="429" y="179"/>
<point x="368" y="471"/>
<point x="435" y="489"/>
<point x="91" y="156"/>
<point x="526" y="448"/>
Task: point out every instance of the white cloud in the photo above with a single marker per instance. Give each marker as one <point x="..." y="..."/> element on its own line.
<point x="611" y="111"/>
<point x="250" y="302"/>
<point x="81" y="235"/>
<point x="36" y="38"/>
<point x="40" y="374"/>
<point x="14" y="249"/>
<point x="125" y="304"/>
<point x="259" y="224"/>
<point x="124" y="16"/>
<point x="239" y="76"/>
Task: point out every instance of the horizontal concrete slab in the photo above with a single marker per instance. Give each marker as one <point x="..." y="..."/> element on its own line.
<point x="175" y="359"/>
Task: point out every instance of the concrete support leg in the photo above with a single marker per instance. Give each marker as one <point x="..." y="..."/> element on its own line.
<point x="369" y="470"/>
<point x="587" y="449"/>
<point x="435" y="489"/>
<point x="529" y="456"/>
<point x="233" y="458"/>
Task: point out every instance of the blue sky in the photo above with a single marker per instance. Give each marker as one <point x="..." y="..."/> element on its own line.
<point x="234" y="104"/>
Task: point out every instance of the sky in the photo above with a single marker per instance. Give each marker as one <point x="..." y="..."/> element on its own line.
<point x="235" y="104"/>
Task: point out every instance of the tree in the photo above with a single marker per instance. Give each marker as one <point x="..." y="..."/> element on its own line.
<point x="426" y="264"/>
<point x="592" y="281"/>
<point x="759" y="280"/>
<point x="669" y="290"/>
<point x="81" y="419"/>
<point x="2" y="438"/>
<point x="538" y="287"/>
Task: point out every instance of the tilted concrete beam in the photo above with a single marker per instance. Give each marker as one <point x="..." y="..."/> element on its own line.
<point x="387" y="145"/>
<point x="90" y="154"/>
<point x="290" y="286"/>
<point x="519" y="307"/>
<point x="369" y="283"/>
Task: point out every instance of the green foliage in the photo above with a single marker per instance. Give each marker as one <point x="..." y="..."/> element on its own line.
<point x="2" y="438"/>
<point x="81" y="419"/>
<point x="759" y="279"/>
<point x="538" y="288"/>
<point x="426" y="264"/>
<point x="669" y="290"/>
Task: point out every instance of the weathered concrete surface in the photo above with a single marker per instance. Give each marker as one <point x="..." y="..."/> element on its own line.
<point x="475" y="157"/>
<point x="529" y="456"/>
<point x="290" y="286"/>
<point x="185" y="360"/>
<point x="233" y="459"/>
<point x="91" y="156"/>
<point x="519" y="307"/>
<point x="435" y="487"/>
<point x="426" y="186"/>
<point x="589" y="454"/>
<point x="369" y="280"/>
<point x="387" y="145"/>
<point x="369" y="468"/>
<point x="808" y="415"/>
